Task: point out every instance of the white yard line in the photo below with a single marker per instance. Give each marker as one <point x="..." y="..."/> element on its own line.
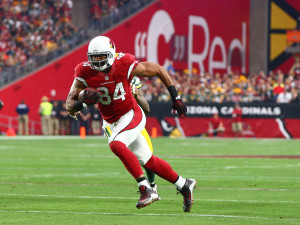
<point x="117" y="197"/>
<point x="106" y="185"/>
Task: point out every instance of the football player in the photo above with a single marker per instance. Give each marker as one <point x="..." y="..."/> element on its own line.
<point x="136" y="86"/>
<point x="123" y="118"/>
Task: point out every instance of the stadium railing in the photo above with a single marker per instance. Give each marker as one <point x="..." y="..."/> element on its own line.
<point x="7" y="122"/>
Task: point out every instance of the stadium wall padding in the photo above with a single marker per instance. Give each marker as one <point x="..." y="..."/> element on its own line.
<point x="260" y="120"/>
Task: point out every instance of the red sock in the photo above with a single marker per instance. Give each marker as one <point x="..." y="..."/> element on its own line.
<point x="127" y="157"/>
<point x="162" y="169"/>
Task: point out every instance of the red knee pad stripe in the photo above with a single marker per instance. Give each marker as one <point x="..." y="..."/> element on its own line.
<point x="127" y="157"/>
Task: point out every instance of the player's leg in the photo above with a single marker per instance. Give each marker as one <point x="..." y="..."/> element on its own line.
<point x="165" y="171"/>
<point x="20" y="125"/>
<point x="150" y="173"/>
<point x="142" y="150"/>
<point x="234" y="129"/>
<point x="240" y="128"/>
<point x="121" y="135"/>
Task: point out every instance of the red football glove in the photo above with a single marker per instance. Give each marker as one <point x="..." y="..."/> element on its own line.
<point x="179" y="106"/>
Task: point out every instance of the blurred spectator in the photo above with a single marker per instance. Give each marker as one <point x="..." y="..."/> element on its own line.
<point x="297" y="82"/>
<point x="74" y="126"/>
<point x="96" y="12"/>
<point x="295" y="96"/>
<point x="285" y="96"/>
<point x="278" y="87"/>
<point x="96" y="120"/>
<point x="170" y="68"/>
<point x="148" y="95"/>
<point x="295" y="70"/>
<point x="85" y="117"/>
<point x="237" y="127"/>
<point x="55" y="118"/>
<point x="216" y="126"/>
<point x="23" y="120"/>
<point x="237" y="95"/>
<point x="64" y="120"/>
<point x="45" y="111"/>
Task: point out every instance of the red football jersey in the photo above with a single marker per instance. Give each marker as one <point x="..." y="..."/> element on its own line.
<point x="215" y="122"/>
<point x="237" y="115"/>
<point x="116" y="97"/>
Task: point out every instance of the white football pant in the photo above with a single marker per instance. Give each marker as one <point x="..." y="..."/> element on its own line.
<point x="130" y="130"/>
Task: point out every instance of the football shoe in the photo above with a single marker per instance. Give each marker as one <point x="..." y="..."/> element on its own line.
<point x="187" y="193"/>
<point x="154" y="188"/>
<point x="148" y="195"/>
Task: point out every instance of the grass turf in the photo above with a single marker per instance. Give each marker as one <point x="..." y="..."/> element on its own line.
<point x="73" y="181"/>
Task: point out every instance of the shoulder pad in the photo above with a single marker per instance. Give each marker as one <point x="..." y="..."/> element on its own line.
<point x="81" y="67"/>
<point x="125" y="58"/>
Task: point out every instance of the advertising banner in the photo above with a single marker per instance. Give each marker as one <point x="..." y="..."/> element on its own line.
<point x="207" y="35"/>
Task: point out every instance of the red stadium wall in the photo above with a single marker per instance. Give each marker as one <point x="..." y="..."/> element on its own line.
<point x="198" y="127"/>
<point x="208" y="35"/>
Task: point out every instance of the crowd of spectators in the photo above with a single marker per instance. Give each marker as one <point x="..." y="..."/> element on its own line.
<point x="102" y="9"/>
<point x="235" y="87"/>
<point x="32" y="28"/>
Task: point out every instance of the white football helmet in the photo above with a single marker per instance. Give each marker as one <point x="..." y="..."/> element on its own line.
<point x="101" y="46"/>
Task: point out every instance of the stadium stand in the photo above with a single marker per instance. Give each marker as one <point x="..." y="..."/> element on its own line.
<point x="35" y="32"/>
<point x="216" y="88"/>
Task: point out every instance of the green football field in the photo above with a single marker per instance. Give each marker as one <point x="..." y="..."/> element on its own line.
<point x="68" y="180"/>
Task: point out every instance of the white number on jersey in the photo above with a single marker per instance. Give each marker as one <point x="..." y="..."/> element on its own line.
<point x="119" y="93"/>
<point x="119" y="88"/>
<point x="105" y="98"/>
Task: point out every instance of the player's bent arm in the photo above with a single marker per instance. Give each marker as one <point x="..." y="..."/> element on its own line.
<point x="148" y="69"/>
<point x="140" y="99"/>
<point x="72" y="98"/>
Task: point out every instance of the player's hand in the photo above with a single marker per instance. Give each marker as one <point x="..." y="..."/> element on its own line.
<point x="90" y="97"/>
<point x="179" y="106"/>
